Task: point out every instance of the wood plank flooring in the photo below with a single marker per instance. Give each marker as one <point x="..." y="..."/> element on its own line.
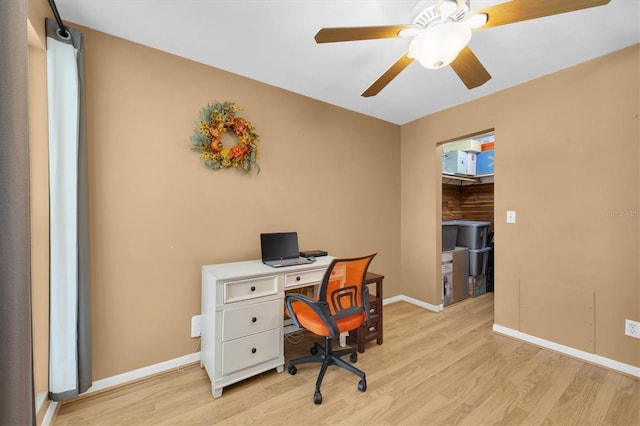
<point x="433" y="369"/>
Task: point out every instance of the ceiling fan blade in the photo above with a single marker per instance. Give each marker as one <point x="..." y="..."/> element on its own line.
<point x="469" y="69"/>
<point x="388" y="75"/>
<point x="331" y="35"/>
<point x="522" y="10"/>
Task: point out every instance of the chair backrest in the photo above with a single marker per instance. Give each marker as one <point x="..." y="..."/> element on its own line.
<point x="342" y="286"/>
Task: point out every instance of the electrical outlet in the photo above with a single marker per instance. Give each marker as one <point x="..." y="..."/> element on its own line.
<point x="196" y="326"/>
<point x="632" y="328"/>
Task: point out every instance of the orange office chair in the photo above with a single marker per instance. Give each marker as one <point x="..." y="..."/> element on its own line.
<point x="342" y="305"/>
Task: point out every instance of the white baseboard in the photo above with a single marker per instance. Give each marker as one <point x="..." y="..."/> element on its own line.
<point x="48" y="415"/>
<point x="567" y="350"/>
<point x="40" y="399"/>
<point x="420" y="303"/>
<point x="142" y="372"/>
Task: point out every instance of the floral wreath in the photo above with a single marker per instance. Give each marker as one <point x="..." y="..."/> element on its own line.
<point x="216" y="120"/>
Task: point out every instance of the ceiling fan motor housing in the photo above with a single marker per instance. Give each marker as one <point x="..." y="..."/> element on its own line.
<point x="432" y="14"/>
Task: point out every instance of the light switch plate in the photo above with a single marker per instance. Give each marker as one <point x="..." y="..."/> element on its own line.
<point x="511" y="216"/>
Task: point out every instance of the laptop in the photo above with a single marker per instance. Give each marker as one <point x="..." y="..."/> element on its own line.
<point x="281" y="249"/>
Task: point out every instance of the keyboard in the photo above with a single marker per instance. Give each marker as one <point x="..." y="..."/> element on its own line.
<point x="289" y="262"/>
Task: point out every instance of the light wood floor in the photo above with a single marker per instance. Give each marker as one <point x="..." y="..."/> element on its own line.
<point x="433" y="369"/>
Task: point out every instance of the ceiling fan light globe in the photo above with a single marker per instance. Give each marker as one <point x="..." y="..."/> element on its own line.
<point x="439" y="45"/>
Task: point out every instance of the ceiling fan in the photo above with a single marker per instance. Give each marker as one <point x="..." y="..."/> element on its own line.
<point x="442" y="31"/>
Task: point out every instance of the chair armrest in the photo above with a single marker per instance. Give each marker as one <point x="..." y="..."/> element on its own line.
<point x="321" y="309"/>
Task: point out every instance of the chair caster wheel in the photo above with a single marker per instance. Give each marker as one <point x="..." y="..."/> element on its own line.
<point x="353" y="357"/>
<point x="362" y="385"/>
<point x="314" y="350"/>
<point x="292" y="370"/>
<point x="317" y="397"/>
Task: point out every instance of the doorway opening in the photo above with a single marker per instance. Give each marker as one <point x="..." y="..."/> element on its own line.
<point x="467" y="220"/>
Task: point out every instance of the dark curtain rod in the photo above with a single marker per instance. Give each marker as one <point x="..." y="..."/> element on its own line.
<point x="63" y="30"/>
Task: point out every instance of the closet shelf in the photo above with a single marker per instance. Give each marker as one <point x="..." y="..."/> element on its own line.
<point x="467" y="179"/>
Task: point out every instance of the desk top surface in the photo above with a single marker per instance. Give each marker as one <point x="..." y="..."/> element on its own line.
<point x="372" y="277"/>
<point x="251" y="268"/>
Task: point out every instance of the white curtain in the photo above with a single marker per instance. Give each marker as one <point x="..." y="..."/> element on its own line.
<point x="67" y="204"/>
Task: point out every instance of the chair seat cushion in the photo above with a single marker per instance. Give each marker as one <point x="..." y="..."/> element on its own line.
<point x="312" y="322"/>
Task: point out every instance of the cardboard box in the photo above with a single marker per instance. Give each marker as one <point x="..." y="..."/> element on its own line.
<point x="485" y="162"/>
<point x="477" y="285"/>
<point x="447" y="283"/>
<point x="470" y="145"/>
<point x="454" y="162"/>
<point x="471" y="163"/>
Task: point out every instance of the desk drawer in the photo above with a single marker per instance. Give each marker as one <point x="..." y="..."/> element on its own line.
<point x="371" y="332"/>
<point x="248" y="351"/>
<point x="313" y="276"/>
<point x="302" y="278"/>
<point x="375" y="305"/>
<point x="251" y="319"/>
<point x="235" y="291"/>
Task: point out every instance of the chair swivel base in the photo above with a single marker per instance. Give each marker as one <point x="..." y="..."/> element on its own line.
<point x="326" y="356"/>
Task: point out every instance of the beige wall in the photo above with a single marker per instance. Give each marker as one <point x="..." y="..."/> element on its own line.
<point x="568" y="270"/>
<point x="157" y="213"/>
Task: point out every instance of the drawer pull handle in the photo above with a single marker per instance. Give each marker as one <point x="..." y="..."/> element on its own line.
<point x="254" y="350"/>
<point x="297" y="278"/>
<point x="253" y="288"/>
<point x="254" y="319"/>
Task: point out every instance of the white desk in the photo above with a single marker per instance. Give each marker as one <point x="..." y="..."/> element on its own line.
<point x="243" y="317"/>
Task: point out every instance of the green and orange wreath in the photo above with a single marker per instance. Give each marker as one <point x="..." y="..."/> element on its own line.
<point x="215" y="121"/>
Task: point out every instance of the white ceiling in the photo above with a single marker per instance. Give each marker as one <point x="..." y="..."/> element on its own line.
<point x="272" y="41"/>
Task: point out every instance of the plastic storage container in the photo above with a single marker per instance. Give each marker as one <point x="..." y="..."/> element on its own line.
<point x="478" y="261"/>
<point x="449" y="236"/>
<point x="471" y="234"/>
